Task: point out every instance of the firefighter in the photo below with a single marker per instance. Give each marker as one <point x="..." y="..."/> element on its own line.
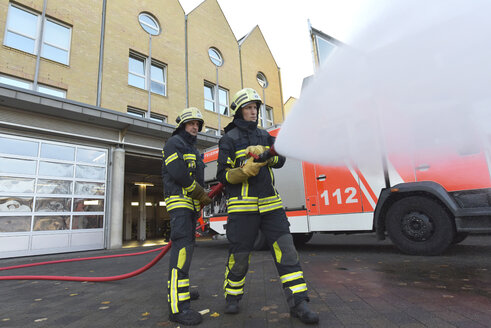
<point x="183" y="177"/>
<point x="254" y="204"/>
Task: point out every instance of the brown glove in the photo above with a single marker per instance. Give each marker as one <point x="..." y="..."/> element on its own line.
<point x="256" y="150"/>
<point x="236" y="175"/>
<point x="199" y="193"/>
<point x="251" y="168"/>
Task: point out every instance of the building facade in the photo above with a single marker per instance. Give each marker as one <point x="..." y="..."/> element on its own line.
<point x="89" y="92"/>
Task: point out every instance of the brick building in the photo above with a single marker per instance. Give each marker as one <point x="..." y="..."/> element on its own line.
<point x="89" y="91"/>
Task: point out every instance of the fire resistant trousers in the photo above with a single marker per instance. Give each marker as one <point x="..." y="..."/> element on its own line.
<point x="242" y="230"/>
<point x="183" y="226"/>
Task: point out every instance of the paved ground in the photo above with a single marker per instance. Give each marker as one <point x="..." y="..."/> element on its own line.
<point x="355" y="281"/>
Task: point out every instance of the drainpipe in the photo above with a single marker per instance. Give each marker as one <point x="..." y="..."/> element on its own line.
<point x="101" y="54"/>
<point x="186" y="58"/>
<point x="39" y="46"/>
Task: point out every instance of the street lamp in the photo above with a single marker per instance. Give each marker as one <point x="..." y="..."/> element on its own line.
<point x="263" y="82"/>
<point x="217" y="60"/>
<point x="152" y="27"/>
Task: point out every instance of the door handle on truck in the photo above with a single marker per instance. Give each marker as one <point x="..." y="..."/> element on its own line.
<point x="423" y="167"/>
<point x="321" y="177"/>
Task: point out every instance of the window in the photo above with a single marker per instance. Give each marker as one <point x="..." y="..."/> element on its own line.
<point x="23" y="32"/>
<point x="324" y="49"/>
<point x="141" y="113"/>
<point x="261" y="79"/>
<point x="149" y="23"/>
<point x="209" y="96"/>
<point x="138" y="77"/>
<point x="24" y="84"/>
<point x="215" y="57"/>
<point x="213" y="132"/>
<point x="268" y="121"/>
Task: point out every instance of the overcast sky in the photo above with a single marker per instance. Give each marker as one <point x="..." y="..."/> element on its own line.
<point x="285" y="28"/>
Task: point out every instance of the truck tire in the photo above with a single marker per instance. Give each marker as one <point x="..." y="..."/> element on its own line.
<point x="418" y="225"/>
<point x="260" y="242"/>
<point x="460" y="237"/>
<point x="300" y="239"/>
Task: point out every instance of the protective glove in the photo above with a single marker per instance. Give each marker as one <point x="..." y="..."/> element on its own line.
<point x="256" y="150"/>
<point x="241" y="174"/>
<point x="251" y="168"/>
<point x="199" y="193"/>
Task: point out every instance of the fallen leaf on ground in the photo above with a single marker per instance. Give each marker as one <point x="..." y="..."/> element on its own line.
<point x="214" y="314"/>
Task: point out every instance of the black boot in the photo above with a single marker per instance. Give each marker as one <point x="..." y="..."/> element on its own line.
<point x="193" y="294"/>
<point x="302" y="311"/>
<point x="232" y="306"/>
<point x="187" y="317"/>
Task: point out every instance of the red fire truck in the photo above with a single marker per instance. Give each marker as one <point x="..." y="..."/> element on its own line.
<point x="424" y="204"/>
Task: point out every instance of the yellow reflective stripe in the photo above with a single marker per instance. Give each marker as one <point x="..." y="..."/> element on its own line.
<point x="226" y="275"/>
<point x="181" y="260"/>
<point x="231" y="261"/>
<point x="229" y="161"/>
<point x="174" y="298"/>
<point x="180" y="283"/>
<point x="234" y="291"/>
<point x="298" y="288"/>
<point x="277" y="252"/>
<point x="271" y="207"/>
<point x="240" y="153"/>
<point x="191" y="187"/>
<point x="173" y="202"/>
<point x="274" y="161"/>
<point x="236" y="283"/>
<point x="170" y="158"/>
<point x="189" y="156"/>
<point x="269" y="199"/>
<point x="183" y="283"/>
<point x="184" y="296"/>
<point x="243" y="200"/>
<point x="237" y="208"/>
<point x="245" y="188"/>
<point x="291" y="276"/>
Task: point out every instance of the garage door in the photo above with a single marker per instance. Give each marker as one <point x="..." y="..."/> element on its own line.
<point x="52" y="196"/>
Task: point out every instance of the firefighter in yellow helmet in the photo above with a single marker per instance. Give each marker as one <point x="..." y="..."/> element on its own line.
<point x="183" y="177"/>
<point x="254" y="205"/>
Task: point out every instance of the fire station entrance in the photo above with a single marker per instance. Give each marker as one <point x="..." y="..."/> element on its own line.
<point x="145" y="214"/>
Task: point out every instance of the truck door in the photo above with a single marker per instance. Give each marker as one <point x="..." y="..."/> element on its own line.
<point x="337" y="189"/>
<point x="454" y="171"/>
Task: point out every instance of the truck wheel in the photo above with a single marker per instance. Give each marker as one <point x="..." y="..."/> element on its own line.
<point x="460" y="237"/>
<point x="419" y="226"/>
<point x="260" y="242"/>
<point x="300" y="239"/>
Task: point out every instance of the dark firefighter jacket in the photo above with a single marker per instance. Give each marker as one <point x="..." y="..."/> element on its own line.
<point x="182" y="168"/>
<point x="256" y="193"/>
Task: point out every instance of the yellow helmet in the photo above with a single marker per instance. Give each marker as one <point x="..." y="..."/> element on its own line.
<point x="243" y="97"/>
<point x="190" y="114"/>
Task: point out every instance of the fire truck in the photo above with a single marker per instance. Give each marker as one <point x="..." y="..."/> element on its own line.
<point x="423" y="204"/>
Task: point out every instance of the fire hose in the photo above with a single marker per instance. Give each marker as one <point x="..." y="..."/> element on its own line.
<point x="213" y="192"/>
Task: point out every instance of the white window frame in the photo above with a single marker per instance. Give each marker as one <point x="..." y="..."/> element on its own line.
<point x="37" y="37"/>
<point x="211" y="131"/>
<point x="42" y="88"/>
<point x="225" y="103"/>
<point x="148" y="83"/>
<point x="159" y="118"/>
<point x="265" y="123"/>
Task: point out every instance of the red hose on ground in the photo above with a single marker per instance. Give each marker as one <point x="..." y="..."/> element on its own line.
<point x="165" y="249"/>
<point x="213" y="192"/>
<point x="76" y="260"/>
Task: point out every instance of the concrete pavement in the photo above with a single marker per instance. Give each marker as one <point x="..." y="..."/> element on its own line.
<point x="354" y="281"/>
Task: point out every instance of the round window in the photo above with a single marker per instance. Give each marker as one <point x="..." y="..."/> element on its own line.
<point x="149" y="24"/>
<point x="261" y="79"/>
<point x="215" y="57"/>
